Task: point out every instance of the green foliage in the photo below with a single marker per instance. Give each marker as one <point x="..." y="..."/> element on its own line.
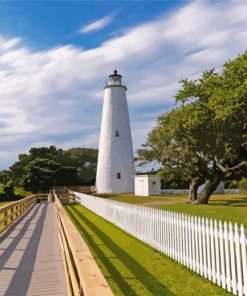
<point x="242" y="185"/>
<point x="7" y="191"/>
<point x="43" y="174"/>
<point x="171" y="178"/>
<point x="5" y="176"/>
<point x="85" y="159"/>
<point x="45" y="167"/>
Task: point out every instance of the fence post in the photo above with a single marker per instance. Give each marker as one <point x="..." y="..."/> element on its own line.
<point x="5" y="215"/>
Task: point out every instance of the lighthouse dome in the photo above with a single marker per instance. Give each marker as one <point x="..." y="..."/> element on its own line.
<point x="115" y="78"/>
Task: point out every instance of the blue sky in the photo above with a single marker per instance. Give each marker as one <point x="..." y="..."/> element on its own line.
<point x="56" y="56"/>
<point x="43" y="25"/>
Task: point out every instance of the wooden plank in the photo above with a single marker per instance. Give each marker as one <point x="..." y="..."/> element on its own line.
<point x="32" y="251"/>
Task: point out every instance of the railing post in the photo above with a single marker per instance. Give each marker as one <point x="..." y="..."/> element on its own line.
<point x="5" y="215"/>
<point x="12" y="216"/>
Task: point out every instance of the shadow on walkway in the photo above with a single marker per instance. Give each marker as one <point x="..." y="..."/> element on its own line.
<point x="20" y="281"/>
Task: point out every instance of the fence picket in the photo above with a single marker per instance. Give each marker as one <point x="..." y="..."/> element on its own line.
<point x="243" y="258"/>
<point x="205" y="270"/>
<point x="238" y="261"/>
<point x="186" y="241"/>
<point x="212" y="248"/>
<point x="183" y="241"/>
<point x="232" y="259"/>
<point x="227" y="255"/>
<point x="200" y="246"/>
<point x="189" y="243"/>
<point x="217" y="253"/>
<point x="208" y="250"/>
<point x="193" y="244"/>
<point x="197" y="265"/>
<point x="180" y="238"/>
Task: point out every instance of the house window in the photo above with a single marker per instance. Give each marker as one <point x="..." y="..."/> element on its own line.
<point x="118" y="176"/>
<point x="117" y="133"/>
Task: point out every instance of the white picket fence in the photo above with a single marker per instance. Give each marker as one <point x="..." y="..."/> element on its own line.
<point x="212" y="249"/>
<point x="174" y="191"/>
<point x="186" y="191"/>
<point x="232" y="191"/>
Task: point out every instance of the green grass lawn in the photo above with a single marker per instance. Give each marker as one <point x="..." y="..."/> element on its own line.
<point x="3" y="203"/>
<point x="133" y="199"/>
<point x="225" y="207"/>
<point x="133" y="268"/>
<point x="229" y="212"/>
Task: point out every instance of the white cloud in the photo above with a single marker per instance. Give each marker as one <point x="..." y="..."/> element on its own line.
<point x="55" y="96"/>
<point x="99" y="24"/>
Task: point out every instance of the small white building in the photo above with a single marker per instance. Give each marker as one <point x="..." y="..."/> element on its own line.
<point x="146" y="185"/>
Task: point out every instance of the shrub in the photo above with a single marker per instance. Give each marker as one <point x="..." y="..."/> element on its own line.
<point x="242" y="185"/>
<point x="7" y="192"/>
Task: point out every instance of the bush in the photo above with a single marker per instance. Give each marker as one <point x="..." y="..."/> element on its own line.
<point x="242" y="185"/>
<point x="7" y="192"/>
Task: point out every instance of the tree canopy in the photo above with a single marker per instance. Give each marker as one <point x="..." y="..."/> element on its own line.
<point x="44" y="167"/>
<point x="205" y="136"/>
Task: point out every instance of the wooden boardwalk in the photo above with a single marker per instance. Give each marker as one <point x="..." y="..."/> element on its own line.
<point x="31" y="261"/>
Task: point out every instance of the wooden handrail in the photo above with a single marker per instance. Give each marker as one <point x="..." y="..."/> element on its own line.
<point x="14" y="210"/>
<point x="42" y="196"/>
<point x="83" y="275"/>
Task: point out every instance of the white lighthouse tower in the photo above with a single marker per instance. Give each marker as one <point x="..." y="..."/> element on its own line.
<point x="116" y="167"/>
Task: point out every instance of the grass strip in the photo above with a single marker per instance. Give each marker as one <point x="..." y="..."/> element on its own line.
<point x="234" y="214"/>
<point x="225" y="207"/>
<point x="133" y="268"/>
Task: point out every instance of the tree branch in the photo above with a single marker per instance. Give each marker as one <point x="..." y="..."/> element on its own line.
<point x="228" y="171"/>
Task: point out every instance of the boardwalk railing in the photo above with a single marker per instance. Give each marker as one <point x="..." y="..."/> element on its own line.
<point x="12" y="211"/>
<point x="212" y="249"/>
<point x="83" y="276"/>
<point x="42" y="197"/>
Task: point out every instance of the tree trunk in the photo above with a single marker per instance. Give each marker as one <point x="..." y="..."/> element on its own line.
<point x="210" y="187"/>
<point x="194" y="185"/>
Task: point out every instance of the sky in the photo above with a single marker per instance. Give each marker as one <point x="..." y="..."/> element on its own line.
<point x="55" y="58"/>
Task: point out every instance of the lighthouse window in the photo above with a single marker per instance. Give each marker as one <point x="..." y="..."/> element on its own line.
<point x="118" y="176"/>
<point x="117" y="133"/>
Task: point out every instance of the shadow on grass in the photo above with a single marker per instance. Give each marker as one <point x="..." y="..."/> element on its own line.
<point x="241" y="202"/>
<point x="115" y="274"/>
<point x="145" y="277"/>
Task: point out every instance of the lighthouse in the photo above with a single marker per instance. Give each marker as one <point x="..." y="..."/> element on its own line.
<point x="116" y="167"/>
